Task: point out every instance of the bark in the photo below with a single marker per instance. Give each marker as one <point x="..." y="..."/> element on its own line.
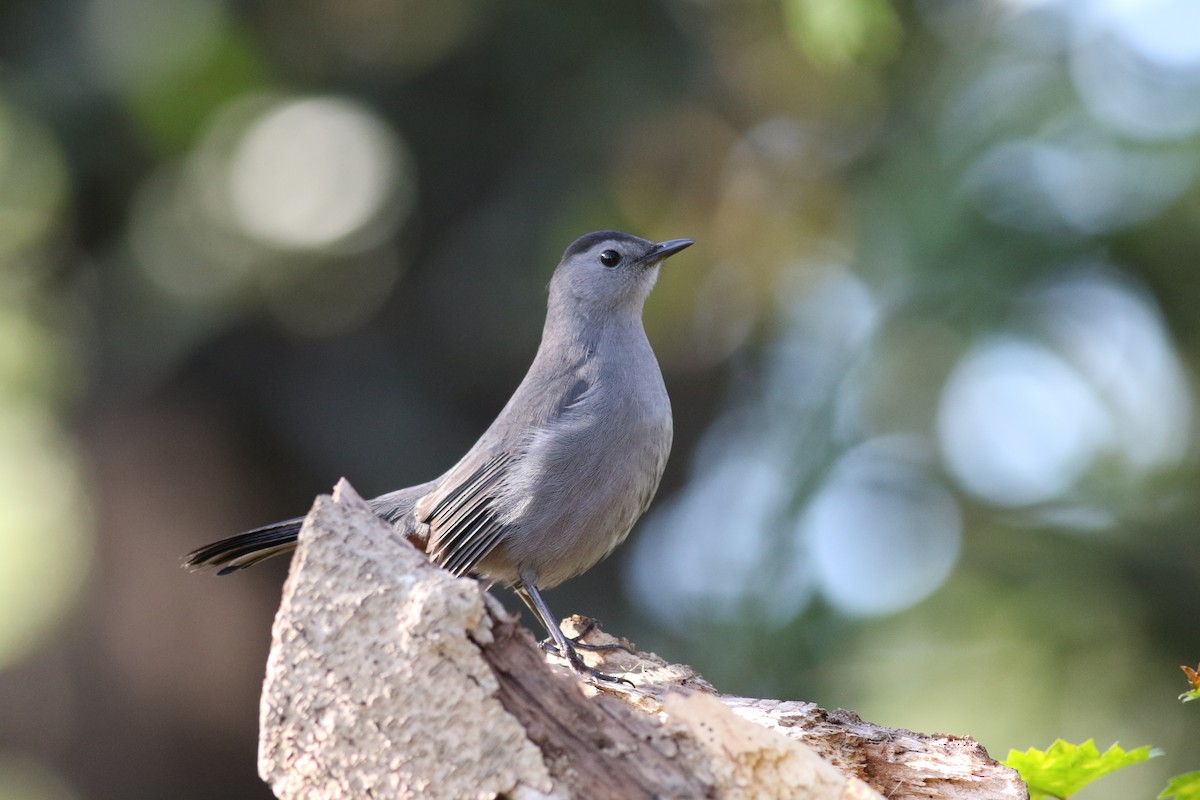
<point x="389" y="678"/>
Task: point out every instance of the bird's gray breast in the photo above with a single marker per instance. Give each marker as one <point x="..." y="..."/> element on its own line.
<point x="586" y="475"/>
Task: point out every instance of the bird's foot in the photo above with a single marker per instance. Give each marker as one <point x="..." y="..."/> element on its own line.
<point x="575" y="661"/>
<point x="581" y="668"/>
<point x="577" y="642"/>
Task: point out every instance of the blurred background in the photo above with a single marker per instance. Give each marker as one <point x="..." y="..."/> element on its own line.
<point x="932" y="358"/>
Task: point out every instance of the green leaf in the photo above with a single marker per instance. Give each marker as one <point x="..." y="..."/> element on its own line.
<point x="1065" y="768"/>
<point x="1193" y="677"/>
<point x="1182" y="787"/>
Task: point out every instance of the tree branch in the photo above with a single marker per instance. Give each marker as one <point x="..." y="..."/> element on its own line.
<point x="389" y="678"/>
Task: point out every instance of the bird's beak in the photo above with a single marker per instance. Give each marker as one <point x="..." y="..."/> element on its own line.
<point x="669" y="248"/>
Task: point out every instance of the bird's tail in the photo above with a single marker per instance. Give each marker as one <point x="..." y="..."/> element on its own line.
<point x="246" y="549"/>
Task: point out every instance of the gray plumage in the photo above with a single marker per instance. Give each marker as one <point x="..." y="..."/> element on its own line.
<point x="571" y="462"/>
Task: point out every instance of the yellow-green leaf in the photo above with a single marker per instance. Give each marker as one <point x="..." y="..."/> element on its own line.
<point x="1182" y="787"/>
<point x="1065" y="768"/>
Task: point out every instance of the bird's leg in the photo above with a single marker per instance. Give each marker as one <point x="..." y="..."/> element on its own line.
<point x="533" y="599"/>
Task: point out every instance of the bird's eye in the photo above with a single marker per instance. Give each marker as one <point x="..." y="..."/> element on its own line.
<point x="610" y="258"/>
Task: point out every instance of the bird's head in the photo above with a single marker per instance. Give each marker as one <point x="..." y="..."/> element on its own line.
<point x="606" y="271"/>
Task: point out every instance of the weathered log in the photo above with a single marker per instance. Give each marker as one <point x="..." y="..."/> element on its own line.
<point x="389" y="678"/>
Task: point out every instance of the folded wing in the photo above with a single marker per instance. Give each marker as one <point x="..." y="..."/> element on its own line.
<point x="463" y="517"/>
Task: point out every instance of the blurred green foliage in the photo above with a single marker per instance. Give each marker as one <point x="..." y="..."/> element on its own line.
<point x="841" y="34"/>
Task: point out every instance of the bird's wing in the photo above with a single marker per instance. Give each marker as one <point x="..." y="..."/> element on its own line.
<point x="462" y="514"/>
<point x="471" y="510"/>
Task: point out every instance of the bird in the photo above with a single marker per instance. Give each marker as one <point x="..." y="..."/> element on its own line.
<point x="569" y="465"/>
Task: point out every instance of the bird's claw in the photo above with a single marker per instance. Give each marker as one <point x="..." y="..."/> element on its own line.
<point x="577" y="642"/>
<point x="596" y="675"/>
<point x="576" y="662"/>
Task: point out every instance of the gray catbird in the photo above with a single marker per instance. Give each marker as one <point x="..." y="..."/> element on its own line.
<point x="573" y="460"/>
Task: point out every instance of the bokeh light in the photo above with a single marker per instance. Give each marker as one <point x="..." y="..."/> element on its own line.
<point x="1091" y="186"/>
<point x="311" y="173"/>
<point x="24" y="778"/>
<point x="1018" y="425"/>
<point x="295" y="202"/>
<point x="1110" y="329"/>
<point x="1024" y="421"/>
<point x="1137" y="66"/>
<point x="882" y="532"/>
<point x="45" y="546"/>
<point x="716" y="566"/>
<point x="33" y="185"/>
